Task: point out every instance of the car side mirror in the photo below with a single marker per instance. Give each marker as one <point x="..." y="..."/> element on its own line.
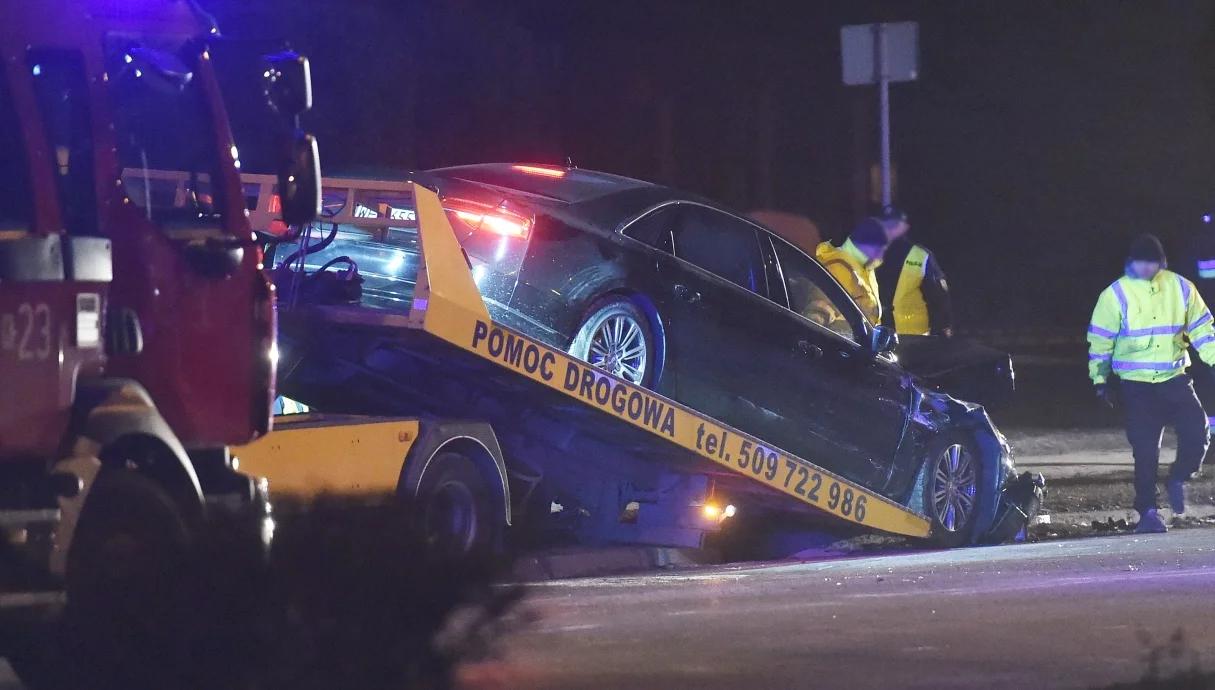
<point x="883" y="340"/>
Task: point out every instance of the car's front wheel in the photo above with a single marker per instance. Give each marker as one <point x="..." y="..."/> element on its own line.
<point x="951" y="491"/>
<point x="616" y="337"/>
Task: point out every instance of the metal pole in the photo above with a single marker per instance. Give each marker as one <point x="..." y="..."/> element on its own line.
<point x="884" y="107"/>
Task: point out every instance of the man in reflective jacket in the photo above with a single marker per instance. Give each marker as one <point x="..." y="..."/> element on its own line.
<point x="914" y="292"/>
<point x="1139" y="332"/>
<point x="854" y="264"/>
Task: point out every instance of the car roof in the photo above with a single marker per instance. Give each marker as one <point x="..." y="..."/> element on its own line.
<point x="605" y="200"/>
<point x="569" y="185"/>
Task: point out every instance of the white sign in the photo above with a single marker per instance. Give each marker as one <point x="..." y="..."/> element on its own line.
<point x="898" y="45"/>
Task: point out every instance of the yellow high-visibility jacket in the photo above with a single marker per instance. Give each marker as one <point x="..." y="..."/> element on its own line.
<point x="1140" y="329"/>
<point x="909" y="306"/>
<point x="856" y="273"/>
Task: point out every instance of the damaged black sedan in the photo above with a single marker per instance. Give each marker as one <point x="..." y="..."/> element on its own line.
<point x="677" y="294"/>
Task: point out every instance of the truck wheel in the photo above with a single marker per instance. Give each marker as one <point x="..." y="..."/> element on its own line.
<point x="129" y="545"/>
<point x="617" y="338"/>
<point x="37" y="661"/>
<point x="456" y="510"/>
<point x="951" y="492"/>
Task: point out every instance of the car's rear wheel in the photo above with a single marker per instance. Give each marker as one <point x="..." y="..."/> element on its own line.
<point x="951" y="492"/>
<point x="616" y="337"/>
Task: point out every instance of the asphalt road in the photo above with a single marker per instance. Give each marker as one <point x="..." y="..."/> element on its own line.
<point x="1057" y="614"/>
<point x="1084" y="613"/>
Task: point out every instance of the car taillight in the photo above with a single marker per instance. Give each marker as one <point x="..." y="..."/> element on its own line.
<point x="495" y="219"/>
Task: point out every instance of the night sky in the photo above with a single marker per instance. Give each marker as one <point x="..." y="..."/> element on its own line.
<point x="1040" y="138"/>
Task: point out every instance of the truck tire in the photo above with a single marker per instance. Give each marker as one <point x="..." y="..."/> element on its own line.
<point x="37" y="661"/>
<point x="616" y="336"/>
<point x="130" y="545"/>
<point x="456" y="510"/>
<point x="953" y="481"/>
<point x="127" y="555"/>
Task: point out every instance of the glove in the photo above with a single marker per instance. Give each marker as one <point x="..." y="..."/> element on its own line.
<point x="1105" y="395"/>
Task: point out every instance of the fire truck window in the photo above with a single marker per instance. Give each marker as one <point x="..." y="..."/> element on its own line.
<point x="162" y="123"/>
<point x="16" y="210"/>
<point x="62" y="93"/>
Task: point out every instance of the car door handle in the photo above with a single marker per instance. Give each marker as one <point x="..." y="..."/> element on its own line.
<point x="809" y="349"/>
<point x="687" y="294"/>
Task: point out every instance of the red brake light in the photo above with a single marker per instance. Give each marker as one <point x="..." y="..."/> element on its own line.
<point x="492" y="219"/>
<point x="540" y="170"/>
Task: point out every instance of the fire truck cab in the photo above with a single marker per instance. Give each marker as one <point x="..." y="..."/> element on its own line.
<point x="136" y="325"/>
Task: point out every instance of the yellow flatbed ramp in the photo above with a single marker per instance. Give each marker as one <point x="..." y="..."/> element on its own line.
<point x="448" y="306"/>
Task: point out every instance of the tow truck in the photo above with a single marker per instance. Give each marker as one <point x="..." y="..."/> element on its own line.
<point x="497" y="429"/>
<point x="136" y="323"/>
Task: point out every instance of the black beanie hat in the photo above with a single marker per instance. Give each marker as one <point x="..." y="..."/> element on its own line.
<point x="1147" y="248"/>
<point x="869" y="232"/>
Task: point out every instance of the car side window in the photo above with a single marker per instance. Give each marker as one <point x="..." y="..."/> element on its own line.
<point x="655" y="227"/>
<point x="16" y="206"/>
<point x="814" y="295"/>
<point x="722" y="245"/>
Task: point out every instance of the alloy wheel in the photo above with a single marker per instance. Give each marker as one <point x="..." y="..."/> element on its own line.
<point x="955" y="488"/>
<point x="618" y="346"/>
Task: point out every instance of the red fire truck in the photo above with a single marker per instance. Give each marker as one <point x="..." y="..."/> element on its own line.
<point x="136" y="325"/>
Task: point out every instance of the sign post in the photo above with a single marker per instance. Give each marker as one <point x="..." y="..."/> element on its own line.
<point x="880" y="54"/>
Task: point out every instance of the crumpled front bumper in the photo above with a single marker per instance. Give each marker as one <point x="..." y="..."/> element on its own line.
<point x="1020" y="500"/>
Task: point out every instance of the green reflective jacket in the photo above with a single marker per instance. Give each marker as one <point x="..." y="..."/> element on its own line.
<point x="1140" y="329"/>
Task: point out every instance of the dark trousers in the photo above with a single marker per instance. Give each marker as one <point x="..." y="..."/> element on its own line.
<point x="1149" y="408"/>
